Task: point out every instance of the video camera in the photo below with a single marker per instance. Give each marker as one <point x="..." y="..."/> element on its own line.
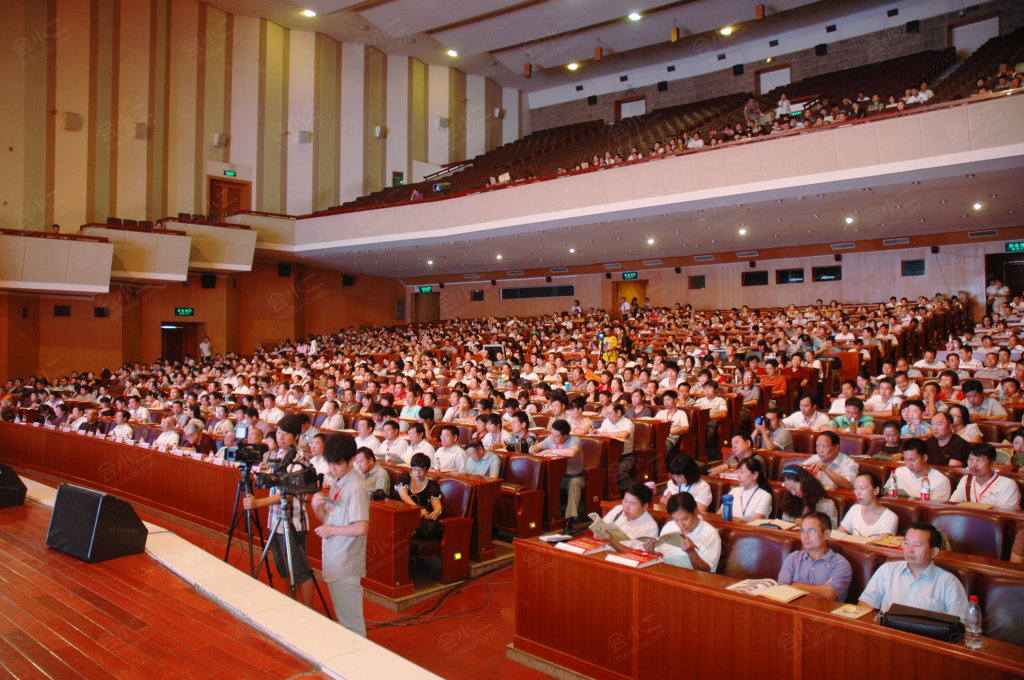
<point x="243" y="452"/>
<point x="303" y="480"/>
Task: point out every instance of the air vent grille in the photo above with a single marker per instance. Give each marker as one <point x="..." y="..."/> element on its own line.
<point x="515" y="272"/>
<point x="613" y="265"/>
<point x="843" y="246"/>
<point x="704" y="258"/>
<point x="471" y="276"/>
<point x="652" y="263"/>
<point x="896" y="241"/>
<point x="983" y="234"/>
<point x="559" y="270"/>
<point x="748" y="253"/>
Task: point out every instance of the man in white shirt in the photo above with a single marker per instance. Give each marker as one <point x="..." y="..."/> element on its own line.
<point x="450" y="456"/>
<point x="719" y="411"/>
<point x="884" y="399"/>
<point x="967" y="360"/>
<point x="139" y="413"/>
<point x="984" y="484"/>
<point x="784" y="108"/>
<point x="930" y="360"/>
<point x="122" y="430"/>
<point x="924" y="94"/>
<point x="271" y="413"/>
<point x="905" y="388"/>
<point x="168" y="437"/>
<point x="808" y="417"/>
<point x="631" y="517"/>
<point x="915" y="469"/>
<point x="334" y="420"/>
<point x="617" y="425"/>
<point x="848" y="390"/>
<point x="700" y="545"/>
<point x="77" y="418"/>
<point x="834" y="469"/>
<point x="364" y="435"/>
<point x="392" y="445"/>
<point x="418" y="444"/>
<point x="917" y="581"/>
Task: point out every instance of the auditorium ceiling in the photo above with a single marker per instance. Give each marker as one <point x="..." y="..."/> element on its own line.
<point x="494" y="38"/>
<point x="916" y="204"/>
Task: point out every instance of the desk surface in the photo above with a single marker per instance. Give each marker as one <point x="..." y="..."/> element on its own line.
<point x="608" y="621"/>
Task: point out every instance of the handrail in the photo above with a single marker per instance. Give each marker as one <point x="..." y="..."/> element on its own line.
<point x="914" y="109"/>
<point x="50" y="234"/>
<point x="447" y="169"/>
<point x="128" y="227"/>
<point x="265" y="214"/>
<point x="182" y="220"/>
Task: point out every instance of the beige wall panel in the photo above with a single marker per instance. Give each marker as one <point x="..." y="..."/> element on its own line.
<point x="899" y="139"/>
<point x="217" y="96"/>
<point x="945" y="132"/>
<point x="856" y="146"/>
<point x="678" y="174"/>
<point x="476" y="115"/>
<point x="351" y="142"/>
<point x="592" y="189"/>
<point x="301" y="116"/>
<point x="457" y="113"/>
<point x="438" y="100"/>
<point x="47" y="261"/>
<point x="418" y="112"/>
<point x="274" y="125"/>
<point x="509" y="115"/>
<point x="709" y="170"/>
<point x="565" y="195"/>
<point x="517" y="203"/>
<point x="245" y="86"/>
<point x="538" y="197"/>
<point x="181" y="124"/>
<point x="647" y="180"/>
<point x="997" y="122"/>
<point x="375" y="76"/>
<point x="492" y="136"/>
<point x="20" y="48"/>
<point x="743" y="164"/>
<point x="326" y="122"/>
<point x="779" y="159"/>
<point x="483" y="207"/>
<point x="817" y="153"/>
<point x="12" y="258"/>
<point x="40" y="89"/>
<point x="618" y="184"/>
<point x="133" y="107"/>
<point x="398" y="117"/>
<point x="71" y="148"/>
<point x="89" y="264"/>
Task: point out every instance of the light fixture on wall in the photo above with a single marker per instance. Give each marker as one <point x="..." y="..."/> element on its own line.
<point x="219" y="140"/>
<point x="573" y="66"/>
<point x="675" y="33"/>
<point x="527" y="67"/>
<point x="598" y="52"/>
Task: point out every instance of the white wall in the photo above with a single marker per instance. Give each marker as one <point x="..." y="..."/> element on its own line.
<point x="301" y="70"/>
<point x="476" y="116"/>
<point x="397" y="116"/>
<point x="510" y="107"/>
<point x="437" y="108"/>
<point x="351" y="121"/>
<point x="245" y="67"/>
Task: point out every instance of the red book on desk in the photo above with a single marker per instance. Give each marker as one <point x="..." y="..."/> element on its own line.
<point x="636" y="558"/>
<point x="584" y="545"/>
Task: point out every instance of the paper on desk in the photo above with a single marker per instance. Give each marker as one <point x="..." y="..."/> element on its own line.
<point x="773" y="523"/>
<point x="851" y="611"/>
<point x="850" y="538"/>
<point x="976" y="506"/>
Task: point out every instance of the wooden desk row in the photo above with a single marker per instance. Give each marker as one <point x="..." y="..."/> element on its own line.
<point x="612" y="622"/>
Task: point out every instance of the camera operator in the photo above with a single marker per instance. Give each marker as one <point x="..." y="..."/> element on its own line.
<point x="288" y="430"/>
<point x="345" y="512"/>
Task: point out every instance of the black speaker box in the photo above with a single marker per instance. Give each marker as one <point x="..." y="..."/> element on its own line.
<point x="935" y="250"/>
<point x="549" y="279"/>
<point x="209" y="280"/>
<point x="753" y="264"/>
<point x="348" y="280"/>
<point x="821" y="50"/>
<point x="592" y="99"/>
<point x="441" y="286"/>
<point x="494" y="282"/>
<point x="608" y="275"/>
<point x="662" y="86"/>
<point x="839" y="258"/>
<point x="737" y="70"/>
<point x="679" y="270"/>
<point x="284" y="269"/>
<point x="94" y="526"/>
<point x="913" y="26"/>
<point x="12" y="489"/>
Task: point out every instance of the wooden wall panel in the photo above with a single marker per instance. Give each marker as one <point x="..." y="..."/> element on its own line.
<point x="79" y="342"/>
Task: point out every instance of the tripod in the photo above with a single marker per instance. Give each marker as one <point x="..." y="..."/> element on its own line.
<point x="284" y="520"/>
<point x="252" y="517"/>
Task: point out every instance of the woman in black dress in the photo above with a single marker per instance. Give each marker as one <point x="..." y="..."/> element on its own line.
<point x="416" y="488"/>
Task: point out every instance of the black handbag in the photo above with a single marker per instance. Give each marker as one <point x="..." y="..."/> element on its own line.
<point x="932" y="625"/>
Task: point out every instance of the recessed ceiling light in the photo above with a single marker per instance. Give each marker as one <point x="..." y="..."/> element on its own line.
<point x="572" y="250"/>
<point x="970" y="176"/>
<point x="635" y="16"/>
<point x="849" y="220"/>
<point x="743" y="232"/>
<point x="430" y="262"/>
<point x="499" y="256"/>
<point x="726" y="31"/>
<point x="977" y="206"/>
<point x="650" y="241"/>
<point x="573" y="66"/>
<point x="992" y="195"/>
<point x="768" y="60"/>
<point x="308" y="13"/>
<point x="452" y="53"/>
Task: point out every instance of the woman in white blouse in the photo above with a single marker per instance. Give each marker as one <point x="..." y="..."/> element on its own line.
<point x="869" y="517"/>
<point x="752" y="499"/>
<point x="962" y="424"/>
<point x="684" y="475"/>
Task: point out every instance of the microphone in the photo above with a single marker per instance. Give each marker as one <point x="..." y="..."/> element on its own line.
<point x="288" y="459"/>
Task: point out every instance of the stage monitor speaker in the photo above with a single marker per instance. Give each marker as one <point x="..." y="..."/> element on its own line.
<point x="737" y="69"/>
<point x="839" y="257"/>
<point x="821" y="50"/>
<point x="209" y="280"/>
<point x="348" y="280"/>
<point x="94" y="526"/>
<point x="12" y="489"/>
<point x="662" y="86"/>
<point x="592" y="100"/>
<point x="284" y="269"/>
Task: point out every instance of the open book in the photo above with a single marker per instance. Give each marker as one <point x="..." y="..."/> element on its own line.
<point x="612" y="530"/>
<point x="850" y="538"/>
<point x="768" y="588"/>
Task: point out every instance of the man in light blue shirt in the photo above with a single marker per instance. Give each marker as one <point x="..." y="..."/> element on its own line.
<point x="480" y="461"/>
<point x="917" y="581"/>
<point x="816" y="569"/>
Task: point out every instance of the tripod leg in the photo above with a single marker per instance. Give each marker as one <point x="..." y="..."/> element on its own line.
<point x="327" y="612"/>
<point x="266" y="549"/>
<point x="259" y="530"/>
<point x="288" y="554"/>
<point x="234" y="520"/>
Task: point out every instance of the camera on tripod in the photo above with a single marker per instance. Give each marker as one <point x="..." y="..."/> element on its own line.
<point x="243" y="452"/>
<point x="303" y="480"/>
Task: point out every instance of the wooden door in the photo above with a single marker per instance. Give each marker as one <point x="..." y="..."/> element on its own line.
<point x="629" y="290"/>
<point x="229" y="197"/>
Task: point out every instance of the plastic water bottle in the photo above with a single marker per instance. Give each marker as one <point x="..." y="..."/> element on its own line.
<point x="972" y="625"/>
<point x="437" y="463"/>
<point x="926" y="489"/>
<point x="727" y="507"/>
<point x="387" y="458"/>
<point x="1002" y="394"/>
<point x="891" y="489"/>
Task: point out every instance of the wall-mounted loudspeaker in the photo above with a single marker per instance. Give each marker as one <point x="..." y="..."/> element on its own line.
<point x="592" y="100"/>
<point x="753" y="264"/>
<point x="679" y="270"/>
<point x="839" y="258"/>
<point x="737" y="70"/>
<point x="549" y="279"/>
<point x="209" y="280"/>
<point x="284" y="269"/>
<point x="935" y="250"/>
<point x="820" y="50"/>
<point x="662" y="86"/>
<point x="608" y="275"/>
<point x="348" y="280"/>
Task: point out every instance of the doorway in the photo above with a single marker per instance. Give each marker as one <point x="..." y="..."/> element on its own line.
<point x="428" y="307"/>
<point x="629" y="290"/>
<point x="228" y="197"/>
<point x="968" y="35"/>
<point x="178" y="338"/>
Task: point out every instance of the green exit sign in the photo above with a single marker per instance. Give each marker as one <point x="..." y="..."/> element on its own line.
<point x="230" y="173"/>
<point x="630" y="276"/>
<point x="1013" y="247"/>
<point x="184" y="311"/>
<point x="425" y="289"/>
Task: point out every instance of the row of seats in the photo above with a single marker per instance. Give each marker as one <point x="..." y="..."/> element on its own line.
<point x="982" y="64"/>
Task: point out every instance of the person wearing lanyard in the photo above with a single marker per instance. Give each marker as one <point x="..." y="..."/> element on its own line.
<point x="985" y="485"/>
<point x="753" y="496"/>
<point x="684" y="476"/>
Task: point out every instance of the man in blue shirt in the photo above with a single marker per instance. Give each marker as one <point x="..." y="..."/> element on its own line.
<point x="816" y="569"/>
<point x="917" y="581"/>
<point x="480" y="461"/>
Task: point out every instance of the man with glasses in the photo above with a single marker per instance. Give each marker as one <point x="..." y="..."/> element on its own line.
<point x="817" y="569"/>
